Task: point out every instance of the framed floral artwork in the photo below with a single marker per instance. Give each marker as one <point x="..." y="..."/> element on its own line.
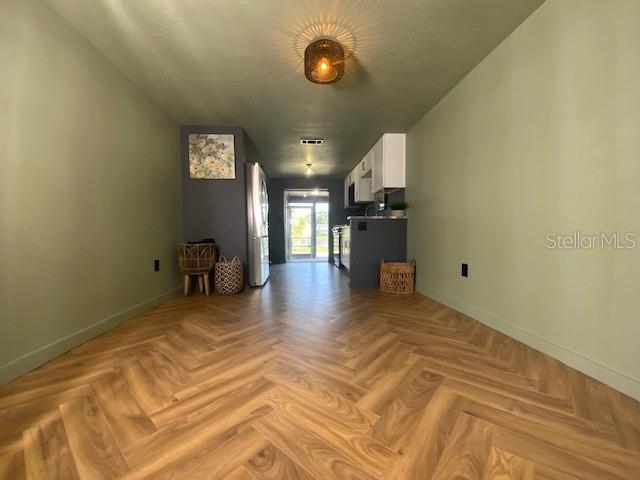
<point x="212" y="156"/>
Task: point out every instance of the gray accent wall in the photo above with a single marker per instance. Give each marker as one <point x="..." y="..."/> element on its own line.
<point x="277" y="186"/>
<point x="215" y="208"/>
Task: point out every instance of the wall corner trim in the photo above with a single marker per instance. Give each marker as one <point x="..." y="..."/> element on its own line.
<point x="614" y="378"/>
<point x="42" y="355"/>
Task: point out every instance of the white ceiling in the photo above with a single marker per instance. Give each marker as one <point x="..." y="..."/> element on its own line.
<point x="239" y="62"/>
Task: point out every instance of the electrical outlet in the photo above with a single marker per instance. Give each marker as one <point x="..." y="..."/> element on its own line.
<point x="465" y="270"/>
<point x="156" y="265"/>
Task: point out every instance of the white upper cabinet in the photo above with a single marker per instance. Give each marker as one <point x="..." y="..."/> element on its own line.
<point x="383" y="167"/>
<point x="388" y="167"/>
<point x="366" y="163"/>
<point x="363" y="191"/>
<point x="360" y="178"/>
<point x="347" y="182"/>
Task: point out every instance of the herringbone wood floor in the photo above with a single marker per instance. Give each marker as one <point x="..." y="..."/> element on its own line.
<point x="307" y="379"/>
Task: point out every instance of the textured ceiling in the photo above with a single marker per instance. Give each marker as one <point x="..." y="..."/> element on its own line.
<point x="239" y="62"/>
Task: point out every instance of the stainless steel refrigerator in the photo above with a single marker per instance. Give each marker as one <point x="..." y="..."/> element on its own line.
<point x="258" y="225"/>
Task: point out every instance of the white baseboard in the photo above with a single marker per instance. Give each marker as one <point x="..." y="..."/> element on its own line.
<point x="610" y="376"/>
<point x="31" y="360"/>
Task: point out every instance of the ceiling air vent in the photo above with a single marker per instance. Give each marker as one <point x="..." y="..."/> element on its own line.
<point x="311" y="141"/>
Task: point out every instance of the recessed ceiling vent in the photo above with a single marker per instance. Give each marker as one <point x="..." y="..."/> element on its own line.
<point x="311" y="141"/>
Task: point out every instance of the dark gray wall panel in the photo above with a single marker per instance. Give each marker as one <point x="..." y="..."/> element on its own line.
<point x="215" y="208"/>
<point x="277" y="186"/>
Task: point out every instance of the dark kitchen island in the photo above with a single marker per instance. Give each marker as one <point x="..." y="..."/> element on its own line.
<point x="374" y="239"/>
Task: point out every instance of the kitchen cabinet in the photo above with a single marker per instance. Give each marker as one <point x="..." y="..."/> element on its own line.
<point x="347" y="183"/>
<point x="388" y="166"/>
<point x="363" y="191"/>
<point x="360" y="180"/>
<point x="382" y="168"/>
<point x="366" y="163"/>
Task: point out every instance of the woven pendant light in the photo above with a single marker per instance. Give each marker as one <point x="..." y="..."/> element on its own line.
<point x="324" y="61"/>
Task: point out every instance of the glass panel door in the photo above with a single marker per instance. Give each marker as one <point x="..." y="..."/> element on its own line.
<point x="322" y="230"/>
<point x="301" y="231"/>
<point x="307" y="225"/>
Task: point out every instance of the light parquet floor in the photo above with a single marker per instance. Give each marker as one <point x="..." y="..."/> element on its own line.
<point x="306" y="379"/>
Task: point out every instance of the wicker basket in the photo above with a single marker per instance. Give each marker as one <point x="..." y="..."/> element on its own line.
<point x="229" y="276"/>
<point x="397" y="277"/>
<point x="197" y="258"/>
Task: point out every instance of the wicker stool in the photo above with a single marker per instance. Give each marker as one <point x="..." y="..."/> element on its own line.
<point x="197" y="259"/>
<point x="397" y="277"/>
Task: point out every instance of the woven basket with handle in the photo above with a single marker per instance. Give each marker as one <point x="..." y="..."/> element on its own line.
<point x="397" y="277"/>
<point x="229" y="278"/>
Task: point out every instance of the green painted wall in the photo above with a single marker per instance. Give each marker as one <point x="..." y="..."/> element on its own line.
<point x="542" y="136"/>
<point x="89" y="191"/>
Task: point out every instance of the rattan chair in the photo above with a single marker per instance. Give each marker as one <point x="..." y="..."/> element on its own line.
<point x="197" y="259"/>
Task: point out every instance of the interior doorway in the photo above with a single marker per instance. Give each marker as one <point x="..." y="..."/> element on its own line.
<point x="307" y="225"/>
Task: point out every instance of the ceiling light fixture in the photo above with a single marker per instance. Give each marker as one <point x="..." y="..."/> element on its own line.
<point x="308" y="171"/>
<point x="324" y="61"/>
